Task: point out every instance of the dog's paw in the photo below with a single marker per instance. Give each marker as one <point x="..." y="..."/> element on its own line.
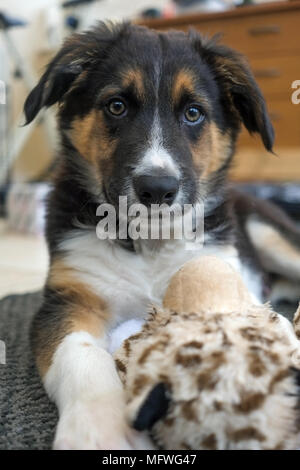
<point x="95" y="425"/>
<point x="91" y="425"/>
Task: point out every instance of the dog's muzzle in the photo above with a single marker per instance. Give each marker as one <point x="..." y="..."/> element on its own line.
<point x="156" y="189"/>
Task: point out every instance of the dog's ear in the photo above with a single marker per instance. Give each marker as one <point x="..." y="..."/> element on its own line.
<point x="239" y="90"/>
<point x="50" y="89"/>
<point x="54" y="83"/>
<point x="153" y="408"/>
<point x="78" y="53"/>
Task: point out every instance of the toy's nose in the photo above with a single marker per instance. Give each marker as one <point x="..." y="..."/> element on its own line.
<point x="156" y="189"/>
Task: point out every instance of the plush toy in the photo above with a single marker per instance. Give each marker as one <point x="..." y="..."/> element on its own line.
<point x="211" y="369"/>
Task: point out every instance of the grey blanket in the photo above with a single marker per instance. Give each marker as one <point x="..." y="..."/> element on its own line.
<point x="27" y="417"/>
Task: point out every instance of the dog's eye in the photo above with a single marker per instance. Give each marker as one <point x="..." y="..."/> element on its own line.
<point x="117" y="107"/>
<point x="193" y="115"/>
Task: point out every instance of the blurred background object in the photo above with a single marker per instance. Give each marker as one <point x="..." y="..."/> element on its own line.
<point x="25" y="207"/>
<point x="30" y="34"/>
<point x="185" y="6"/>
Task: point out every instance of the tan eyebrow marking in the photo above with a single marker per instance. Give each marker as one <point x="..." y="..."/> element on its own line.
<point x="184" y="81"/>
<point x="134" y="77"/>
<point x="109" y="91"/>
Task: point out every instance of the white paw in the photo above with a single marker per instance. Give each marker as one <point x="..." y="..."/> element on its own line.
<point x="96" y="425"/>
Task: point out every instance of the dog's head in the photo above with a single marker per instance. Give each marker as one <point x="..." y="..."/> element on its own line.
<point x="153" y="116"/>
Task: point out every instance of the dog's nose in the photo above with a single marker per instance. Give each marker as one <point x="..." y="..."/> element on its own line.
<point x="156" y="189"/>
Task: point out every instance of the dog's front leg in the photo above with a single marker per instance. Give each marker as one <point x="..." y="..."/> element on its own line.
<point x="83" y="382"/>
<point x="69" y="339"/>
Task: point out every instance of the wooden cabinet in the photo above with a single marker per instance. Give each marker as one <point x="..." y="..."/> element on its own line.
<point x="269" y="35"/>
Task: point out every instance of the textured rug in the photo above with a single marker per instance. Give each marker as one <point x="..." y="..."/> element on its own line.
<point x="27" y="417"/>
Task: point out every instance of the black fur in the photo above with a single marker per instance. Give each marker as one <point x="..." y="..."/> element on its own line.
<point x="50" y="90"/>
<point x="239" y="89"/>
<point x="90" y="62"/>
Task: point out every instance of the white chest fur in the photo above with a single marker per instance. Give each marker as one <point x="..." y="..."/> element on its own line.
<point x="131" y="282"/>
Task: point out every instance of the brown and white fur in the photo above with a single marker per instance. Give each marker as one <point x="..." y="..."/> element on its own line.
<point x="210" y="369"/>
<point x="133" y="103"/>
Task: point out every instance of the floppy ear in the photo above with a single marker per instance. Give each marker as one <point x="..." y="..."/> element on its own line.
<point x="153" y="408"/>
<point x="61" y="72"/>
<point x="238" y="88"/>
<point x="78" y="53"/>
<point x="52" y="86"/>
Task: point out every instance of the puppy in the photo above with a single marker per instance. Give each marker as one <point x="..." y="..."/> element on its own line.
<point x="153" y="117"/>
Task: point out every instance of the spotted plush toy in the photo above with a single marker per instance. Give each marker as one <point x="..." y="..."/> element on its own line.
<point x="211" y="369"/>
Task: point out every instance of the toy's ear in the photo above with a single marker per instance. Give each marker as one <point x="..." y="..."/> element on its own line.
<point x="296" y="373"/>
<point x="239" y="90"/>
<point x="154" y="407"/>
